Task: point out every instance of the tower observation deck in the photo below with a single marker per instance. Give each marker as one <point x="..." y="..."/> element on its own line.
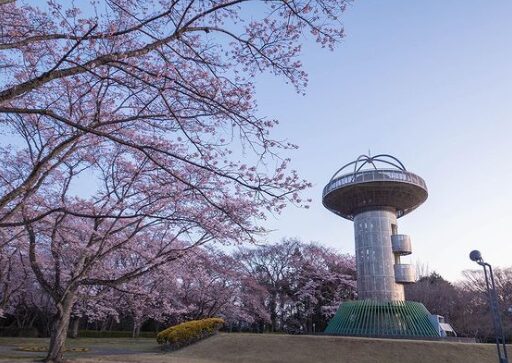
<point x="373" y="192"/>
<point x="358" y="189"/>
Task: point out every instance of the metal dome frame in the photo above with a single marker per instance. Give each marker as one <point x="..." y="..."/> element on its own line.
<point x="370" y="160"/>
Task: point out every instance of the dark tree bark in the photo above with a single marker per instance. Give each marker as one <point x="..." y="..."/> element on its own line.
<point x="136" y="329"/>
<point x="73" y="331"/>
<point x="60" y="329"/>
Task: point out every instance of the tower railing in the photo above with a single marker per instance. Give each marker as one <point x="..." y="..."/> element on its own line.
<point x="378" y="175"/>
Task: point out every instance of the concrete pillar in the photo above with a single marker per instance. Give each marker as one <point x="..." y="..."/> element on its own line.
<point x="374" y="256"/>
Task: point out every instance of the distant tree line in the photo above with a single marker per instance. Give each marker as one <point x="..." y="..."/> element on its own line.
<point x="291" y="286"/>
<point x="465" y="304"/>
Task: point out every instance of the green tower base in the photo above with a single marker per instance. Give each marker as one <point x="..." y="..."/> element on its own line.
<point x="382" y="319"/>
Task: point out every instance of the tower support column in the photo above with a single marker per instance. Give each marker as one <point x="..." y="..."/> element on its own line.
<point x="374" y="255"/>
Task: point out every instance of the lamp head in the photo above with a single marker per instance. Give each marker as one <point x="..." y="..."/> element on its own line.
<point x="476" y="256"/>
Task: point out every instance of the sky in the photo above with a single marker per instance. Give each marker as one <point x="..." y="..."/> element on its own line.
<point x="429" y="82"/>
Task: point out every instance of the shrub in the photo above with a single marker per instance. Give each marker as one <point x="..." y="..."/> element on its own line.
<point x="18" y="332"/>
<point x="183" y="334"/>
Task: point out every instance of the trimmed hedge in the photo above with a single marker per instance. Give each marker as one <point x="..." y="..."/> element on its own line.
<point x="18" y="332"/>
<point x="183" y="334"/>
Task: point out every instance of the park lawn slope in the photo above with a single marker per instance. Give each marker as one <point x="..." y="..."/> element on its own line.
<point x="267" y="348"/>
<point x="274" y="348"/>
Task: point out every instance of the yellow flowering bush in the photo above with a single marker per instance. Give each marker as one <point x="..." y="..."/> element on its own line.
<point x="183" y="334"/>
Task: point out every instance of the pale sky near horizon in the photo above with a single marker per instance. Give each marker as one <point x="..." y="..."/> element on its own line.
<point x="429" y="82"/>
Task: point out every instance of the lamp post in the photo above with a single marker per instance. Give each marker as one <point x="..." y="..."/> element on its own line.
<point x="493" y="301"/>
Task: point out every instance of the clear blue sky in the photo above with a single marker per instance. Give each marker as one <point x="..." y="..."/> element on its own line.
<point x="431" y="83"/>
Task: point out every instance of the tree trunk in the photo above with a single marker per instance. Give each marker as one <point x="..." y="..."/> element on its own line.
<point x="136" y="329"/>
<point x="59" y="330"/>
<point x="273" y="313"/>
<point x="75" y="324"/>
<point x="104" y="324"/>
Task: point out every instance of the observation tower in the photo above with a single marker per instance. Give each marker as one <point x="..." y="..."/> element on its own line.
<point x="374" y="192"/>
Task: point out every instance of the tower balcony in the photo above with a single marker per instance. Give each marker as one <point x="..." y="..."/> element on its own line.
<point x="401" y="244"/>
<point x="350" y="194"/>
<point x="405" y="273"/>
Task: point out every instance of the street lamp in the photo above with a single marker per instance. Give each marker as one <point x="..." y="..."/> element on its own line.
<point x="493" y="300"/>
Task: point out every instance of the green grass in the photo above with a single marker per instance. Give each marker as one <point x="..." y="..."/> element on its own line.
<point x="96" y="347"/>
<point x="264" y="348"/>
<point x="113" y="334"/>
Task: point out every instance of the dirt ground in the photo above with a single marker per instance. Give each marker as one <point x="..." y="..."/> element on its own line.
<point x="263" y="348"/>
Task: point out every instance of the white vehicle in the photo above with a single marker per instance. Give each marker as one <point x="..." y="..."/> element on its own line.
<point x="445" y="329"/>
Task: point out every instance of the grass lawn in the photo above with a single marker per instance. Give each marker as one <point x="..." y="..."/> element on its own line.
<point x="96" y="347"/>
<point x="262" y="348"/>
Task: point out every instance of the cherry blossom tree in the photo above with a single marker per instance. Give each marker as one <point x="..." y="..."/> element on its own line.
<point x="170" y="80"/>
<point x="324" y="279"/>
<point x="207" y="283"/>
<point x="151" y="104"/>
<point x="212" y="283"/>
<point x="67" y="252"/>
<point x="144" y="300"/>
<point x="22" y="300"/>
<point x="13" y="273"/>
<point x="305" y="282"/>
<point x="272" y="266"/>
<point x="95" y="304"/>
